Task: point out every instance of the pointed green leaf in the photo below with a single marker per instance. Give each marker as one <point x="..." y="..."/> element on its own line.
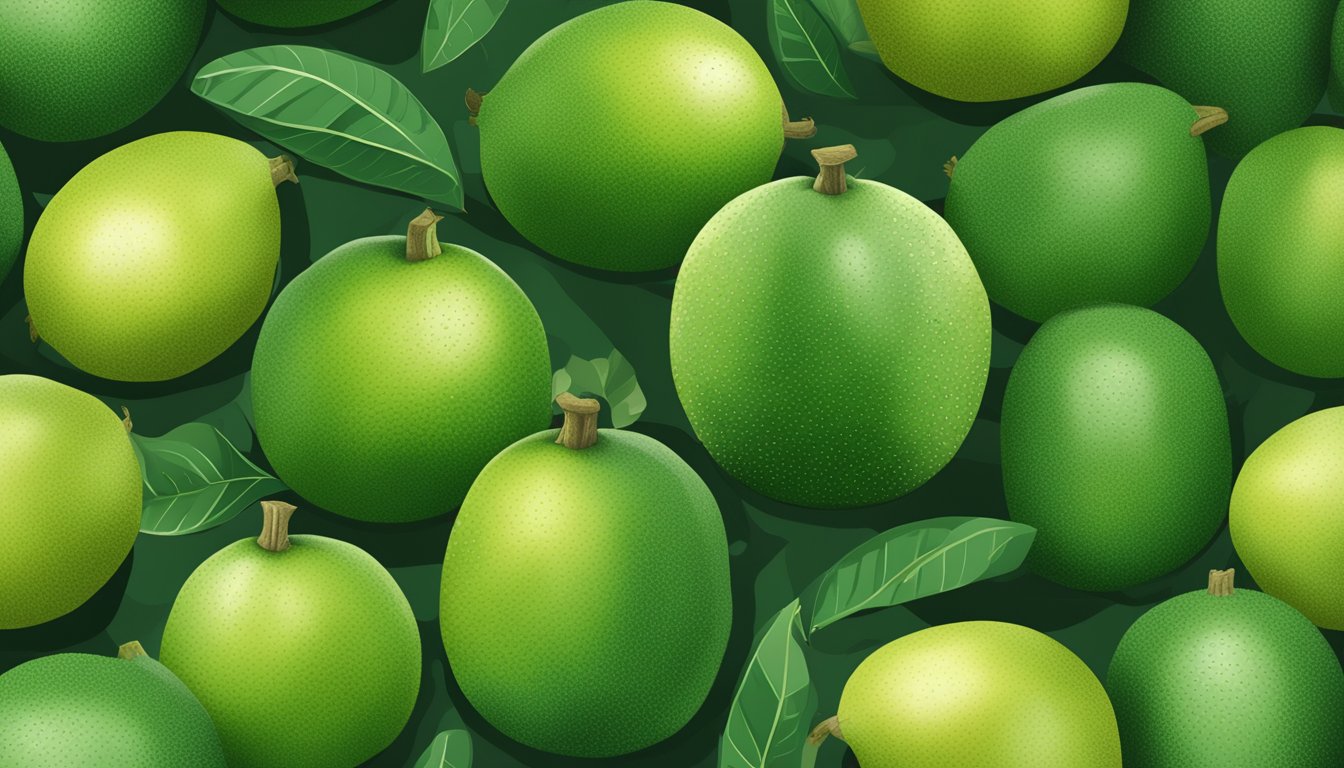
<point x="805" y="47"/>
<point x="612" y="378"/>
<point x="844" y="18"/>
<point x="450" y="749"/>
<point x="774" y="703"/>
<point x="453" y="26"/>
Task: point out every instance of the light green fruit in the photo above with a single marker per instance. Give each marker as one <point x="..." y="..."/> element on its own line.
<point x="1281" y="250"/>
<point x="830" y="350"/>
<point x="1115" y="447"/>
<point x="382" y="385"/>
<point x="294" y="13"/>
<point x="155" y="257"/>
<point x="1223" y="677"/>
<point x="302" y="648"/>
<point x="614" y="137"/>
<point x="11" y="215"/>
<point x="989" y="50"/>
<point x="1287" y="516"/>
<point x="79" y="709"/>
<point x="69" y="498"/>
<point x="585" y="604"/>
<point x="77" y="69"/>
<point x="1100" y="194"/>
<point x="977" y="694"/>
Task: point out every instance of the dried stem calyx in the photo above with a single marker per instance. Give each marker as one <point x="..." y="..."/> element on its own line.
<point x="422" y="237"/>
<point x="1220" y="582"/>
<point x="282" y="170"/>
<point x="797" y="129"/>
<point x="275" y="525"/>
<point x="474" y="100"/>
<point x="825" y="729"/>
<point x="579" y="429"/>
<point x="831" y="179"/>
<point x="131" y="650"/>
<point x="1208" y="118"/>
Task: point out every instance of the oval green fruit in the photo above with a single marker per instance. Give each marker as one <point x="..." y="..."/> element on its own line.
<point x="830" y="350"/>
<point x="1281" y="250"/>
<point x="1115" y="447"/>
<point x="1100" y="194"/>
<point x="1223" y="677"/>
<point x="381" y="384"/>
<point x="69" y="498"/>
<point x="1287" y="516"/>
<point x="616" y="135"/>
<point x="585" y="603"/>
<point x="294" y="13"/>
<point x="155" y="257"/>
<point x="302" y="648"/>
<point x="11" y="215"/>
<point x="989" y="50"/>
<point x="77" y="69"/>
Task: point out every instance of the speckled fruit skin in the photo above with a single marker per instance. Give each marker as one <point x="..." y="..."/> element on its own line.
<point x="1205" y="681"/>
<point x="616" y="135"/>
<point x="1115" y="446"/>
<point x="79" y="709"/>
<point x="1100" y="194"/>
<point x="156" y="256"/>
<point x="585" y="603"/>
<point x="1287" y="516"/>
<point x="77" y="69"/>
<point x="69" y="498"/>
<point x="294" y="13"/>
<point x="977" y="694"/>
<point x="309" y="657"/>
<point x="380" y="386"/>
<point x="989" y="50"/>
<point x="830" y="351"/>
<point x="1281" y="250"/>
<point x="11" y="215"/>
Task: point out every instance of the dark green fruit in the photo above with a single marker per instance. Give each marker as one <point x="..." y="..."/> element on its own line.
<point x="11" y="215"/>
<point x="1224" y="677"/>
<point x="585" y="602"/>
<point x="76" y="69"/>
<point x="294" y="13"/>
<point x="1100" y="194"/>
<point x="1115" y="446"/>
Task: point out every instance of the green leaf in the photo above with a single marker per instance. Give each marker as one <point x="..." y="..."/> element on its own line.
<point x="450" y="749"/>
<point x="844" y="18"/>
<point x="611" y="378"/>
<point x="337" y="112"/>
<point x="195" y="480"/>
<point x="774" y="703"/>
<point x="453" y="26"/>
<point x="805" y="47"/>
<point x="917" y="560"/>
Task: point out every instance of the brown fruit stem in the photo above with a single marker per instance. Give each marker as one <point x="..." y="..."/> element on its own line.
<point x="275" y="525"/>
<point x="1209" y="118"/>
<point x="950" y="166"/>
<point x="32" y="329"/>
<point x="797" y="129"/>
<point x="131" y="650"/>
<point x="826" y="728"/>
<point x="282" y="170"/>
<point x="422" y="237"/>
<point x="126" y="419"/>
<point x="579" y="430"/>
<point x="1220" y="582"/>
<point x="474" y="100"/>
<point x="831" y="180"/>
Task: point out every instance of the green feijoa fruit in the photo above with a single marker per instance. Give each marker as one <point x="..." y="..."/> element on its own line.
<point x="11" y="215"/>
<point x="294" y="13"/>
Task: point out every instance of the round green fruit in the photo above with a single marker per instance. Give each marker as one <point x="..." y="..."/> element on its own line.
<point x="294" y="13"/>
<point x="157" y="256"/>
<point x="69" y="498"/>
<point x="302" y="648"/>
<point x="990" y="50"/>
<point x="1281" y="250"/>
<point x="829" y="339"/>
<point x="616" y="135"/>
<point x="1287" y="516"/>
<point x="1227" y="677"/>
<point x="1100" y="194"/>
<point x="385" y="378"/>
<point x="11" y="215"/>
<point x="1115" y="447"/>
<point x="77" y="69"/>
<point x="975" y="694"/>
<point x="585" y="604"/>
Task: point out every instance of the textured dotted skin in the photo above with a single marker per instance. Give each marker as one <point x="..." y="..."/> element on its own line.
<point x="585" y="603"/>
<point x="830" y="351"/>
<point x="305" y="658"/>
<point x="978" y="694"/>
<point x="69" y="499"/>
<point x="76" y="69"/>
<point x="616" y="135"/>
<point x="11" y="215"/>
<point x="382" y="386"/>
<point x="1115" y="446"/>
<point x="1100" y="194"/>
<point x="294" y="13"/>
<point x="1203" y="681"/>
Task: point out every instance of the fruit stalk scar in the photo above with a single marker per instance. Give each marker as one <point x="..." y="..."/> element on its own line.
<point x="275" y="525"/>
<point x="282" y="170"/>
<point x="831" y="180"/>
<point x="579" y="430"/>
<point x="795" y="129"/>
<point x="474" y="99"/>
<point x="950" y="166"/>
<point x="422" y="237"/>
<point x="1209" y="118"/>
<point x="131" y="650"/>
<point x="828" y="727"/>
<point x="126" y="419"/>
<point x="1220" y="582"/>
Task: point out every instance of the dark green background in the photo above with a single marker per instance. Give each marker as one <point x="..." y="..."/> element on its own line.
<point x="903" y="137"/>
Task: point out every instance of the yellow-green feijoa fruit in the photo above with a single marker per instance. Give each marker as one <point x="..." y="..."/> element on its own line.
<point x="1099" y="194"/>
<point x="69" y="498"/>
<point x="614" y="137"/>
<point x="829" y="339"/>
<point x="391" y="370"/>
<point x="1281" y="250"/>
<point x="294" y="13"/>
<point x="11" y="215"/>
<point x="585" y="603"/>
<point x="989" y="50"/>
<point x="76" y="69"/>
<point x="1227" y="676"/>
<point x="976" y="694"/>
<point x="302" y="648"/>
<point x="156" y="256"/>
<point x="1115" y="447"/>
<point x="1287" y="516"/>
